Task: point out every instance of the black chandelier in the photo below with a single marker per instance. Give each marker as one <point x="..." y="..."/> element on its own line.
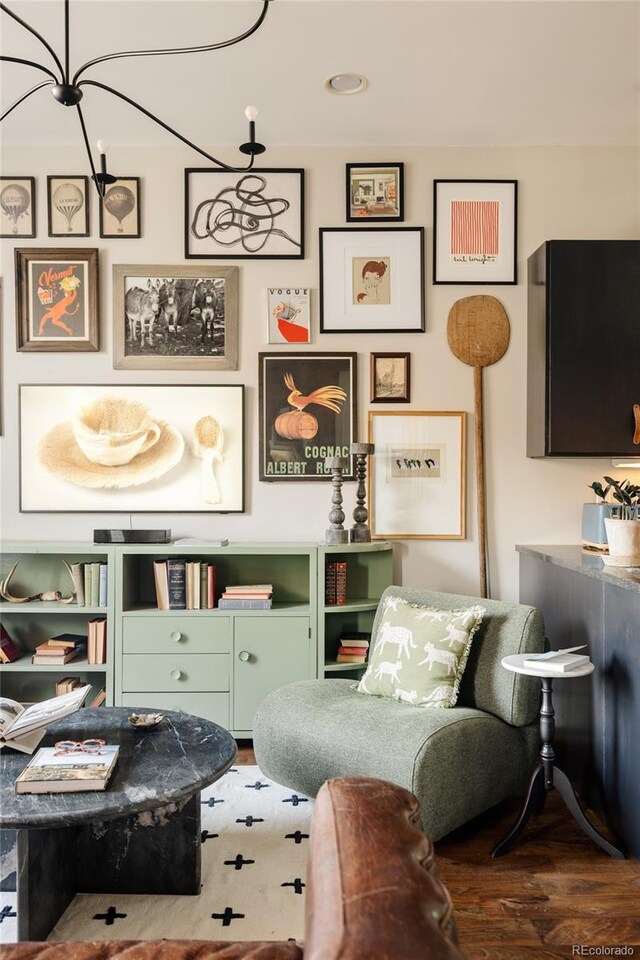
<point x="67" y="90"/>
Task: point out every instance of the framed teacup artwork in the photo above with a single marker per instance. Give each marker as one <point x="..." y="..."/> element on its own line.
<point x="134" y="449"/>
<point x="375" y="192"/>
<point x="68" y="206"/>
<point x="120" y="209"/>
<point x="390" y="377"/>
<point x="17" y="207"/>
<point x="372" y="280"/>
<point x="175" y="317"/>
<point x="288" y="315"/>
<point x="56" y="299"/>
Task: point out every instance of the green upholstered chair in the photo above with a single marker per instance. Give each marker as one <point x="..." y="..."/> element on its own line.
<point x="458" y="761"/>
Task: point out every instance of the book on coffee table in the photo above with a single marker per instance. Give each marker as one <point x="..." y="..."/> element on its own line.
<point x="53" y="771"/>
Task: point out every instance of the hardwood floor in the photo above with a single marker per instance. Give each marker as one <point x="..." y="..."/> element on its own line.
<point x="553" y="893"/>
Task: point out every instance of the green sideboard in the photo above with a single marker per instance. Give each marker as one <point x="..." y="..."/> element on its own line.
<point x="218" y="664"/>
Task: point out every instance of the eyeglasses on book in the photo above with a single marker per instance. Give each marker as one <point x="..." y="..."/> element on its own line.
<point x="94" y="745"/>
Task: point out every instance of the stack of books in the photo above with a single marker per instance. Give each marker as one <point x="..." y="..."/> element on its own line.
<point x="184" y="584"/>
<point x="247" y="596"/>
<point x="60" y="649"/>
<point x="353" y="647"/>
<point x="66" y="685"/>
<point x="335" y="583"/>
<point x="51" y="771"/>
<point x="90" y="584"/>
<point x="97" y="641"/>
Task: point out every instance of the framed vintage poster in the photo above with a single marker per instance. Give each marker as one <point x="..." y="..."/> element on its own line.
<point x="135" y="449"/>
<point x="68" y="206"/>
<point x="417" y="479"/>
<point x="372" y="280"/>
<point x="257" y="214"/>
<point x="375" y="192"/>
<point x="390" y="377"/>
<point x="120" y="209"/>
<point x="475" y="225"/>
<point x="288" y="315"/>
<point x="307" y="412"/>
<point x="56" y="299"/>
<point x="177" y="317"/>
<point x="17" y="207"/>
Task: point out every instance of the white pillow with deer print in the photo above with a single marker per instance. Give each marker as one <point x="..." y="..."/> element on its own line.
<point x="420" y="653"/>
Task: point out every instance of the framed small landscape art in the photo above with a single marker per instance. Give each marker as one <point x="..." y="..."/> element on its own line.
<point x="390" y="377"/>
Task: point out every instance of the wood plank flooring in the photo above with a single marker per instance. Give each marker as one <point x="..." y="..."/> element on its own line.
<point x="553" y="893"/>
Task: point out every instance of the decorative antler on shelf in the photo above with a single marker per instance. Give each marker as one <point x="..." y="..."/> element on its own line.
<point x="50" y="595"/>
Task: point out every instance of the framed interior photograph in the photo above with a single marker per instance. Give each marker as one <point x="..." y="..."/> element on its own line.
<point x="137" y="449"/>
<point x="177" y="317"/>
<point x="120" y="209"/>
<point x="68" y="206"/>
<point x="17" y="207"/>
<point x="289" y="320"/>
<point x="56" y="299"/>
<point x="375" y="191"/>
<point x="390" y="377"/>
<point x="475" y="228"/>
<point x="372" y="280"/>
<point x="255" y="215"/>
<point x="307" y="412"/>
<point x="417" y="479"/>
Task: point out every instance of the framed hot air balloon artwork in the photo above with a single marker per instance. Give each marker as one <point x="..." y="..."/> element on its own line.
<point x="307" y="412"/>
<point x="68" y="206"/>
<point x="56" y="299"/>
<point x="120" y="209"/>
<point x="17" y="207"/>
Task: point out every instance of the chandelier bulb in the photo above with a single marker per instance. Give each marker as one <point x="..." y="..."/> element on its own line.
<point x="103" y="147"/>
<point x="251" y="113"/>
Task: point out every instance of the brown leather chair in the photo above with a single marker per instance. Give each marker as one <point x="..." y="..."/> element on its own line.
<point x="372" y="892"/>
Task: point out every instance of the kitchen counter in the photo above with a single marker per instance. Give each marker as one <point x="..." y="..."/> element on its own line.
<point x="586" y="562"/>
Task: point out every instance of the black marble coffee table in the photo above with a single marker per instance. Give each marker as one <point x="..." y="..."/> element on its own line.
<point x="140" y="835"/>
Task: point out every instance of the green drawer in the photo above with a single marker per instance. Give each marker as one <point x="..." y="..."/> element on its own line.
<point x="211" y="706"/>
<point x="169" y="634"/>
<point x="178" y="673"/>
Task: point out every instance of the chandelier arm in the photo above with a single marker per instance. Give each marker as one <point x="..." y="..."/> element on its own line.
<point x="16" y="103"/>
<point x="176" y="50"/>
<point x="99" y="187"/>
<point x="31" y="63"/>
<point x="161" y="123"/>
<point x="42" y="40"/>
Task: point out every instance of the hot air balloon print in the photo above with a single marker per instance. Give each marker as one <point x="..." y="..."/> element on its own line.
<point x="68" y="215"/>
<point x="16" y="203"/>
<point x="120" y="211"/>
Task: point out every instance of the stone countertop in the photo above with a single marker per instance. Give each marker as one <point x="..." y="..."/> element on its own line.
<point x="162" y="766"/>
<point x="574" y="558"/>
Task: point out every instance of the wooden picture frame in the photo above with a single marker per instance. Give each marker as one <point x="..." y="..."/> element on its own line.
<point x="375" y="192"/>
<point x="17" y="207"/>
<point x="57" y="299"/>
<point x="244" y="215"/>
<point x="417" y="475"/>
<point x="176" y="448"/>
<point x="120" y="215"/>
<point x="372" y="280"/>
<point x="390" y="377"/>
<point x="475" y="231"/>
<point x="293" y="440"/>
<point x="68" y="201"/>
<point x="176" y="317"/>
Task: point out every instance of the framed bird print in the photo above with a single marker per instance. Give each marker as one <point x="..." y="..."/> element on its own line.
<point x="307" y="411"/>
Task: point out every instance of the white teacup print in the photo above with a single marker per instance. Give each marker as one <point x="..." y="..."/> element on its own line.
<point x="113" y="430"/>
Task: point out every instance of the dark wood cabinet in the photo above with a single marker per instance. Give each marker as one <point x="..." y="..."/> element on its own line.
<point x="583" y="375"/>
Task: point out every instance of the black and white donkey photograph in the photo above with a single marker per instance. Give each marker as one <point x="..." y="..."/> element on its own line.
<point x="175" y="317"/>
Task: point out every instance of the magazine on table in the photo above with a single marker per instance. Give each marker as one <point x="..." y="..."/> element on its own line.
<point x="22" y="728"/>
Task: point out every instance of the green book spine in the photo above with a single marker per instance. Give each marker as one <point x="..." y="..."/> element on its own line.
<point x="95" y="584"/>
<point x="203" y="585"/>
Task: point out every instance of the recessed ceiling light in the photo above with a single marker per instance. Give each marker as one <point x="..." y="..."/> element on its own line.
<point x="344" y="84"/>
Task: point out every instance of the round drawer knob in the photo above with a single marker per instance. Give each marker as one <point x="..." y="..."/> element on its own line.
<point x="176" y="636"/>
<point x="176" y="674"/>
<point x="245" y="656"/>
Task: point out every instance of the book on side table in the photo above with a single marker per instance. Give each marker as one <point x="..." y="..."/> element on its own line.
<point x="53" y="770"/>
<point x="557" y="661"/>
<point x="24" y="727"/>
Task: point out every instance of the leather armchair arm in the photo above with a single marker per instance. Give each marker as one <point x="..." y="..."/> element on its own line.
<point x="150" y="950"/>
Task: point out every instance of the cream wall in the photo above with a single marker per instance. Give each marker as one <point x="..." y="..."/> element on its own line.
<point x="565" y="193"/>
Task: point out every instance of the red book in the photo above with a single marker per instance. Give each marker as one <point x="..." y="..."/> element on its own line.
<point x="356" y="651"/>
<point x="8" y="650"/>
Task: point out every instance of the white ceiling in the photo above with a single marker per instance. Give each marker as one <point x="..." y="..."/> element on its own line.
<point x="440" y="72"/>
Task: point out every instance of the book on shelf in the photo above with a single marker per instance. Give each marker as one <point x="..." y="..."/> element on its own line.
<point x="211" y="586"/>
<point x="200" y="541"/>
<point x="67" y="639"/>
<point x="184" y="584"/>
<point x="99" y="699"/>
<point x="246" y="594"/>
<point x="250" y="587"/>
<point x="59" y="658"/>
<point x="203" y="585"/>
<point x="176" y="574"/>
<point x="335" y="583"/>
<point x="161" y="580"/>
<point x="77" y="575"/>
<point x="66" y="685"/>
<point x="102" y="584"/>
<point x="353" y="651"/>
<point x="9" y="652"/>
<point x="97" y="641"/>
<point x="240" y="603"/>
<point x="562" y="663"/>
<point x="95" y="584"/>
<point x="51" y="771"/>
<point x="349" y="658"/>
<point x="23" y="727"/>
<point x="192" y="579"/>
<point x="90" y="583"/>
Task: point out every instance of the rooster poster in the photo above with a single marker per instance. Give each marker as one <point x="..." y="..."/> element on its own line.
<point x="307" y="413"/>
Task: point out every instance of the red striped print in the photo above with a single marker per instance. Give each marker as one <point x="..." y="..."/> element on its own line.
<point x="474" y="227"/>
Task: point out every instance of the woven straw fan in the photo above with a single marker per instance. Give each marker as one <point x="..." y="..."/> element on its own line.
<point x="478" y="333"/>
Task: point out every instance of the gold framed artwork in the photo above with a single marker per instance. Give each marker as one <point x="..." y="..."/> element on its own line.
<point x="417" y="478"/>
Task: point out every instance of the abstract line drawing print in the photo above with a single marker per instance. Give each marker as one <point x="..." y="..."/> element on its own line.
<point x="474" y="228"/>
<point x="242" y="215"/>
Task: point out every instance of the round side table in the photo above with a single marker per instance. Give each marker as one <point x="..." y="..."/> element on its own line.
<point x="547" y="775"/>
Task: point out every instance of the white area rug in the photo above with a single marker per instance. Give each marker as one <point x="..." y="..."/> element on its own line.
<point x="254" y="851"/>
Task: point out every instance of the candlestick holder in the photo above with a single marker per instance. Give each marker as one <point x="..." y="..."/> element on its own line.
<point x="336" y="533"/>
<point x="360" y="532"/>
